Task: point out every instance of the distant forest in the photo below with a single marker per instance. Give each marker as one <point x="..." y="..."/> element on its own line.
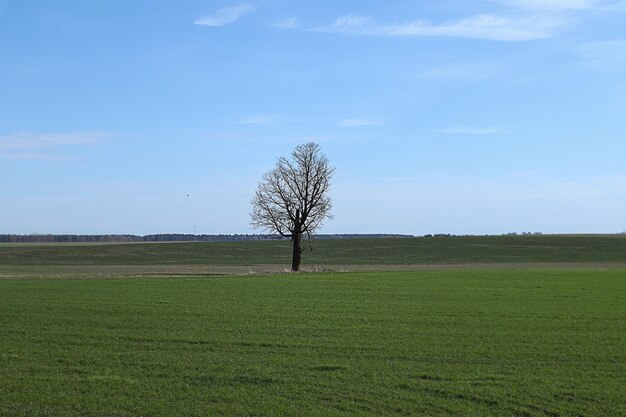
<point x="170" y="237"/>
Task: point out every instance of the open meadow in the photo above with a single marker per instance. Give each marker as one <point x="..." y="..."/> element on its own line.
<point x="488" y="326"/>
<point x="74" y="260"/>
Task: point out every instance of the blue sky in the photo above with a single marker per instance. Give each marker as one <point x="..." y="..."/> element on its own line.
<point x="466" y="116"/>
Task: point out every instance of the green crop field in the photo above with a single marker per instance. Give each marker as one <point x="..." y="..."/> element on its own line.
<point x="403" y="251"/>
<point x="457" y="343"/>
<point x="156" y="331"/>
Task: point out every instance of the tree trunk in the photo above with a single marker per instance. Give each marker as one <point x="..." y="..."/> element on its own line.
<point x="296" y="239"/>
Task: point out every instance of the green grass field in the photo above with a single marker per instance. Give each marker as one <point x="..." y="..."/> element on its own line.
<point x="453" y="342"/>
<point x="493" y="343"/>
<point x="444" y="250"/>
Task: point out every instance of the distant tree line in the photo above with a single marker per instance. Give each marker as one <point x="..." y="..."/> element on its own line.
<point x="43" y="238"/>
<point x="170" y="237"/>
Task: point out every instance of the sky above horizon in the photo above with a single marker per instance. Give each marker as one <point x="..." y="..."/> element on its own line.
<point x="463" y="117"/>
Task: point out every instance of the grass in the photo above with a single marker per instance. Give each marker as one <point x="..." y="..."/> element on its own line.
<point x="462" y="343"/>
<point x="411" y="251"/>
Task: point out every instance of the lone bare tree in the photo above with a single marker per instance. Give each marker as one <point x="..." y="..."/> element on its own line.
<point x="292" y="199"/>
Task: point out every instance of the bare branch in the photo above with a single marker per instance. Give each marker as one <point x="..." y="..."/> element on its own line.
<point x="293" y="197"/>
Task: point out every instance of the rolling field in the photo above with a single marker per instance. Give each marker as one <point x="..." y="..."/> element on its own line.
<point x="493" y="343"/>
<point x="453" y="342"/>
<point x="167" y="259"/>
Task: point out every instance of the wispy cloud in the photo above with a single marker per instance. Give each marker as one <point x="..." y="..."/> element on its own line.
<point x="550" y="5"/>
<point x="226" y="16"/>
<point x="563" y="5"/>
<point x="484" y="26"/>
<point x="606" y="56"/>
<point x="288" y="23"/>
<point x="29" y="156"/>
<point x="360" y="122"/>
<point x="519" y="20"/>
<point x="490" y="27"/>
<point x="462" y="71"/>
<point x="256" y="119"/>
<point x="48" y="140"/>
<point x="471" y="130"/>
<point x="352" y="22"/>
<point x="37" y="146"/>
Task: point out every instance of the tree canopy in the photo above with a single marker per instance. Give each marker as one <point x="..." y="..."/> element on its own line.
<point x="292" y="199"/>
